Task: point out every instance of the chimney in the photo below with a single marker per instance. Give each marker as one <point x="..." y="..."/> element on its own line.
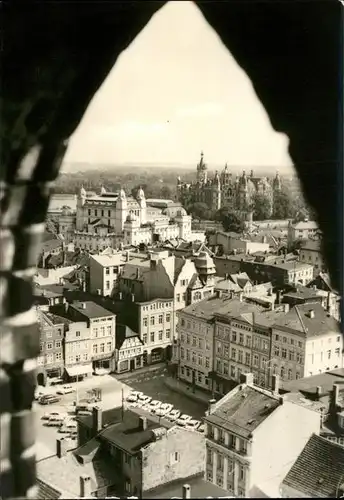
<point x="241" y="295"/>
<point x="137" y="273"/>
<point x="311" y="313"/>
<point x="97" y="419"/>
<point x="212" y="402"/>
<point x="272" y="308"/>
<point x="127" y="256"/>
<point x="264" y="239"/>
<point x="275" y="382"/>
<point x="84" y="286"/>
<point x="186" y="491"/>
<point x="85" y="486"/>
<point x="318" y="391"/>
<point x="314" y="287"/>
<point x="219" y="294"/>
<point x="83" y="305"/>
<point x="120" y="296"/>
<point x="143" y="423"/>
<point x="286" y="308"/>
<point x="133" y="297"/>
<point x="61" y="447"/>
<point x="270" y="292"/>
<point x="247" y="378"/>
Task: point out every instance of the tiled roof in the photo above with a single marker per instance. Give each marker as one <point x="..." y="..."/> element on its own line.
<point x="206" y="309"/>
<point x="46" y="492"/>
<point x="318" y="471"/>
<point x="299" y="319"/>
<point x="244" y="410"/>
<point x="123" y="332"/>
<point x="199" y="489"/>
<point x="92" y="310"/>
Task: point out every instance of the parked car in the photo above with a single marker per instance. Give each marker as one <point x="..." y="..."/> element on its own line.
<point x="201" y="429"/>
<point x="133" y="396"/>
<point x="83" y="408"/>
<point x="192" y="425"/>
<point x="143" y="400"/>
<point x="56" y="381"/>
<point x="50" y="414"/>
<point x="183" y="419"/>
<point x="173" y="415"/>
<point x="68" y="427"/>
<point x="164" y="409"/>
<point x="49" y="400"/>
<point x="153" y="405"/>
<point x="66" y="389"/>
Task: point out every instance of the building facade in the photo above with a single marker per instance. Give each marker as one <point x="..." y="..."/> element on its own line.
<point x="111" y="219"/>
<point x="305" y="341"/>
<point x="104" y="272"/>
<point x="50" y="360"/>
<point x="77" y="350"/>
<point x="305" y="230"/>
<point x="102" y="326"/>
<point x="252" y="439"/>
<point x="227" y="190"/>
<point x="129" y="349"/>
<point x="311" y="253"/>
<point x="280" y="273"/>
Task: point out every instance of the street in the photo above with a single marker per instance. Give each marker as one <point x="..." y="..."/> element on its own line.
<point x="151" y="383"/>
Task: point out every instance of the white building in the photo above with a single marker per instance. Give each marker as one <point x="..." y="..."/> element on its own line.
<point x="111" y="219"/>
<point x="104" y="272"/>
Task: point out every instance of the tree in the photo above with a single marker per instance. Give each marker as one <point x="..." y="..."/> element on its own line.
<point x="261" y="207"/>
<point x="166" y="193"/>
<point x="230" y="220"/>
<point x="283" y="206"/>
<point x="52" y="225"/>
<point x="200" y="210"/>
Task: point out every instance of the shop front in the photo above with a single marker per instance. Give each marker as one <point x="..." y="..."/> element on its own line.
<point x="76" y="373"/>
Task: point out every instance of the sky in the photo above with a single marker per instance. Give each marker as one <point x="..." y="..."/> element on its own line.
<point x="177" y="91"/>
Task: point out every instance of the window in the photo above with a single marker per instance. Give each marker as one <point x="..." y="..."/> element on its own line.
<point x="207" y="362"/>
<point x="102" y="331"/>
<point x="276" y="337"/>
<point x="297" y="375"/>
<point x="337" y="351"/>
<point x="284" y="340"/>
<point x="109" y="346"/>
<point x="255" y="360"/>
<point x="58" y="356"/>
<point x="282" y="372"/>
<point x="58" y="344"/>
<point x="145" y="321"/>
<point x="225" y="368"/>
<point x="144" y="338"/>
<point x="234" y="337"/>
<point x="160" y="334"/>
<point x="338" y="339"/>
<point x="240" y="356"/>
<point x="247" y="359"/>
<point x="232" y="371"/>
<point x="160" y="319"/>
<point x="290" y="374"/>
<point x="241" y="473"/>
<point x="50" y="358"/>
<point x="178" y="297"/>
<point x="200" y="344"/>
<point x="168" y="333"/>
<point x="168" y="318"/>
<point x="233" y="354"/>
<point x="85" y="357"/>
<point x="49" y="345"/>
<point x="218" y="365"/>
<point x="107" y="271"/>
<point x="276" y="351"/>
<point x="209" y="456"/>
<point x="241" y="338"/>
<point x="219" y="462"/>
<point x="284" y="353"/>
<point x="96" y="332"/>
<point x="41" y="348"/>
<point x="152" y="337"/>
<point x="218" y="347"/>
<point x="187" y="355"/>
<point x="182" y="321"/>
<point x="207" y="345"/>
<point x="194" y="341"/>
<point x="152" y="320"/>
<point x="329" y="354"/>
<point x="291" y="355"/>
<point x="248" y="341"/>
<point x="77" y="358"/>
<point x="200" y="359"/>
<point x="182" y="354"/>
<point x="193" y="357"/>
<point x="95" y="349"/>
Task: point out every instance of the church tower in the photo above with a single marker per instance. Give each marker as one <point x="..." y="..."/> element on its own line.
<point x="121" y="211"/>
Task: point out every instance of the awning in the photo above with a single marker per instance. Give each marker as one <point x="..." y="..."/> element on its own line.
<point x="74" y="371"/>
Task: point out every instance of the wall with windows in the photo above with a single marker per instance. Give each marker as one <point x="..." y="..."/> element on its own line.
<point x="323" y="353"/>
<point x="130" y="355"/>
<point x="288" y="354"/>
<point x="51" y="347"/>
<point x="156" y="325"/>
<point x="196" y="339"/>
<point x="102" y="338"/>
<point x="77" y="343"/>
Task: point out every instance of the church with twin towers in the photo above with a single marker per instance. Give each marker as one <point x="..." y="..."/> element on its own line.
<point x="227" y="190"/>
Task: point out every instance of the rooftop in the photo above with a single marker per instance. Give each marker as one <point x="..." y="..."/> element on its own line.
<point x="91" y="309"/>
<point x="206" y="309"/>
<point x="124" y="332"/>
<point x="309" y="384"/>
<point x="305" y="225"/>
<point x="309" y="319"/>
<point x="302" y="292"/>
<point x="318" y="471"/>
<point x="125" y="433"/>
<point x="242" y="411"/>
<point x="108" y="260"/>
<point x="199" y="489"/>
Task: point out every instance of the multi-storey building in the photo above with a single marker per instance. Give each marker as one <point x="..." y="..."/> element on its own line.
<point x="50" y="360"/>
<point x="253" y="437"/>
<point x="78" y="355"/>
<point x="278" y="273"/>
<point x="306" y="341"/>
<point x="311" y="253"/>
<point x="307" y="229"/>
<point x="104" y="272"/>
<point x="227" y="190"/>
<point x="109" y="219"/>
<point x="102" y="325"/>
<point x="129" y="349"/>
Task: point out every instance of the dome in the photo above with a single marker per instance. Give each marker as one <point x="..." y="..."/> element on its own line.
<point x="205" y="264"/>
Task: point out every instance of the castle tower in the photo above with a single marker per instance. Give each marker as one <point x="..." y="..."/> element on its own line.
<point x="121" y="211"/>
<point x="81" y="218"/>
<point x="216" y="192"/>
<point x="202" y="170"/>
<point x="141" y="199"/>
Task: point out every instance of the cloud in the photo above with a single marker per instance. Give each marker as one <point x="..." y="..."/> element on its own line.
<point x="202" y="110"/>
